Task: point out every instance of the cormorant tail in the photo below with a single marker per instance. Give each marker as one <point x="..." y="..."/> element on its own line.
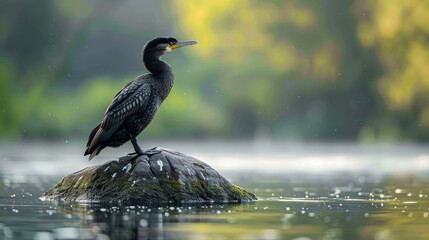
<point x="94" y="153"/>
<point x="93" y="146"/>
<point x="91" y="136"/>
<point x="98" y="138"/>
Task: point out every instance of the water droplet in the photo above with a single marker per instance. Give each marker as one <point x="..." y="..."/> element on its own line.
<point x="143" y="223"/>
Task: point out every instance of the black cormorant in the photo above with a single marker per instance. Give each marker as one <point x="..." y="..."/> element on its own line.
<point x="134" y="107"/>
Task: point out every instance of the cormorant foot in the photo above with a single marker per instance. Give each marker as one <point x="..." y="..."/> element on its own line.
<point x="152" y="151"/>
<point x="135" y="154"/>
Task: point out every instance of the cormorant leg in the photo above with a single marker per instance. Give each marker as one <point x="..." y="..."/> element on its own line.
<point x="136" y="146"/>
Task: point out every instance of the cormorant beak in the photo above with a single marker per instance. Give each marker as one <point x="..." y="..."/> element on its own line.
<point x="181" y="44"/>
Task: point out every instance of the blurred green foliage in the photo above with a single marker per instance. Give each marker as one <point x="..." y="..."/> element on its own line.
<point x="319" y="70"/>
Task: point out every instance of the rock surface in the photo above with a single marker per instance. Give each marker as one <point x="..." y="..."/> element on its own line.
<point x="166" y="177"/>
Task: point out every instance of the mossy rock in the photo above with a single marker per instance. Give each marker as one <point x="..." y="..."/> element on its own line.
<point x="165" y="177"/>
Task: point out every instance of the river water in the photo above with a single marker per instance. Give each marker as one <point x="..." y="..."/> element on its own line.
<point x="305" y="191"/>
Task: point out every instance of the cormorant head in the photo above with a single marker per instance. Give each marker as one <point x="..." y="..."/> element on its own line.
<point x="158" y="46"/>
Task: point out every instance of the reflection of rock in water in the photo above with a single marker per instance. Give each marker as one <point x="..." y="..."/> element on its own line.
<point x="128" y="225"/>
<point x="132" y="222"/>
<point x="166" y="177"/>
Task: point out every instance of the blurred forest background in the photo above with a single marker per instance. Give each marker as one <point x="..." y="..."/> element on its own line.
<point x="300" y="70"/>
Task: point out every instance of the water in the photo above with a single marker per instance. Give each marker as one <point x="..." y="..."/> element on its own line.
<point x="305" y="191"/>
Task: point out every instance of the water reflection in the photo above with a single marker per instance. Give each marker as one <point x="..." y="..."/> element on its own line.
<point x="378" y="199"/>
<point x="300" y="206"/>
<point x="139" y="222"/>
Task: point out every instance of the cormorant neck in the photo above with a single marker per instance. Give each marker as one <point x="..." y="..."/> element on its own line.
<point x="154" y="64"/>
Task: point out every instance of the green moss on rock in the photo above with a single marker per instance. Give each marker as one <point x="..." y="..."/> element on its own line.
<point x="167" y="177"/>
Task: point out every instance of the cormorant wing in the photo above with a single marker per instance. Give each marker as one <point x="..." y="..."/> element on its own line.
<point x="129" y="100"/>
<point x="133" y="97"/>
<point x="124" y="93"/>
